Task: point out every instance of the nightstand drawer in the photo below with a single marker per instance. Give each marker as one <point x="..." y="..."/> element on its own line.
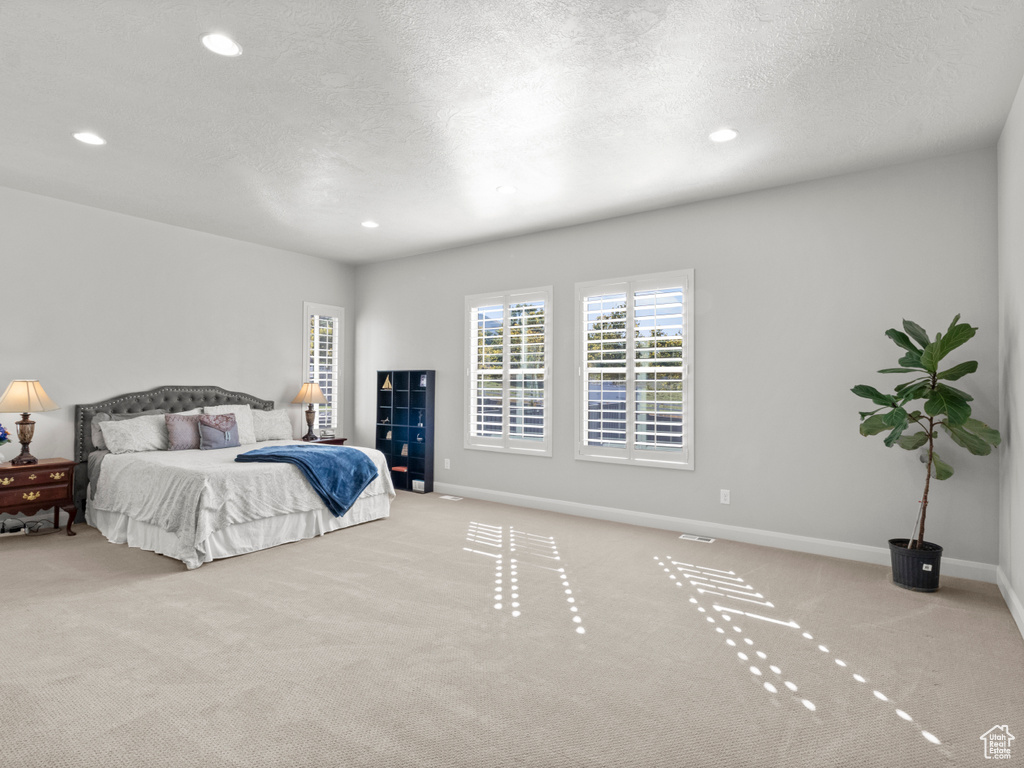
<point x="33" y="475"/>
<point x="37" y="494"/>
<point x="31" y="488"/>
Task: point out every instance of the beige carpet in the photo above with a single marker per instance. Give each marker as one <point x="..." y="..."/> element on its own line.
<point x="383" y="645"/>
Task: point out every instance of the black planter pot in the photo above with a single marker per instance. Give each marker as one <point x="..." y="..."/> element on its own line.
<point x="916" y="569"/>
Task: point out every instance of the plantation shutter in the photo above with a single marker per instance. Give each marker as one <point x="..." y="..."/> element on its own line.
<point x="635" y="390"/>
<point x="606" y="369"/>
<point x="527" y="352"/>
<point x="487" y="397"/>
<point x="508" y="390"/>
<point x="659" y="318"/>
<point x="323" y="359"/>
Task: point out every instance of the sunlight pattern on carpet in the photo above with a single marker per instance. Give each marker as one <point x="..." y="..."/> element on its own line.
<point x="521" y="550"/>
<point x="727" y="585"/>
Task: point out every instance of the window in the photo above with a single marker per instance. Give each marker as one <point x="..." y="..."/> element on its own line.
<point x="635" y="388"/>
<point x="508" y="388"/>
<point x="324" y="327"/>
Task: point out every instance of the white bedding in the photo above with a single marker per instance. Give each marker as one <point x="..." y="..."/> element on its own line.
<point x="198" y="503"/>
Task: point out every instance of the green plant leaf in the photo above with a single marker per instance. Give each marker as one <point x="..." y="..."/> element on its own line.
<point x="895" y="417"/>
<point x="968" y="440"/>
<point x="893" y="436"/>
<point x="904" y="385"/>
<point x="902" y="340"/>
<point x="921" y="389"/>
<point x="984" y="431"/>
<point x="898" y="427"/>
<point x="872" y="394"/>
<point x="866" y="414"/>
<point x="913" y="442"/>
<point x="874" y="425"/>
<point x="954" y="390"/>
<point x="917" y="333"/>
<point x="957" y="335"/>
<point x="944" y="401"/>
<point x="932" y="355"/>
<point x="940" y="469"/>
<point x="897" y="370"/>
<point x="959" y="371"/>
<point x="911" y="360"/>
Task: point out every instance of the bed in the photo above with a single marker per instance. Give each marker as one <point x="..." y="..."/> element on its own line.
<point x="197" y="506"/>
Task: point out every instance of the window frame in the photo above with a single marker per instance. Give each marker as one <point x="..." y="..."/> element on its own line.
<point x="309" y="308"/>
<point x="506" y="443"/>
<point x="630" y="455"/>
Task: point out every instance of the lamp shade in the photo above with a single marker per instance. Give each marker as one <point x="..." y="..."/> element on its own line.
<point x="310" y="393"/>
<point x="26" y="396"/>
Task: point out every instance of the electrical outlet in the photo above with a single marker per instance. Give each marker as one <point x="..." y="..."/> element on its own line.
<point x="724" y="496"/>
<point x="447" y="463"/>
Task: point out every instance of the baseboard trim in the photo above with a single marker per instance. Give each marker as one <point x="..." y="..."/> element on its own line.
<point x="951" y="566"/>
<point x="1013" y="602"/>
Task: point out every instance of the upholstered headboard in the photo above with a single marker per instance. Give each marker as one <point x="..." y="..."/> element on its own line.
<point x="171" y="399"/>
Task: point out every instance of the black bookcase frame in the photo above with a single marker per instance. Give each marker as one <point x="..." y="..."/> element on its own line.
<point x="405" y="427"/>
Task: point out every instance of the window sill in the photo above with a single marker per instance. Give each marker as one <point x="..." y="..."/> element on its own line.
<point x="502" y="449"/>
<point x="635" y="462"/>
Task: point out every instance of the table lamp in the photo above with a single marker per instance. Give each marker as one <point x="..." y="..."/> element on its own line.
<point x="310" y="393"/>
<point x="25" y="396"/>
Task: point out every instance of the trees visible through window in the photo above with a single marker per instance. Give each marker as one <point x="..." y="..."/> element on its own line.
<point x="508" y="386"/>
<point x="323" y="334"/>
<point x="635" y="390"/>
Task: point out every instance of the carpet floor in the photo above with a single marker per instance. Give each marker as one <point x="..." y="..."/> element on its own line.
<point x="466" y="633"/>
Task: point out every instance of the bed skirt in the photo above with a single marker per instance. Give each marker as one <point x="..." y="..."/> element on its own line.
<point x="240" y="538"/>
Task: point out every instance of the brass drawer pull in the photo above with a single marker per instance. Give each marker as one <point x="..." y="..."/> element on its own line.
<point x="56" y="475"/>
<point x="31" y="496"/>
<point x="6" y="480"/>
<point x="31" y="477"/>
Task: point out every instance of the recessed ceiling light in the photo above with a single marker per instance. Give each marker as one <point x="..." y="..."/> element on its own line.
<point x="723" y="134"/>
<point x="370" y="224"/>
<point x="221" y="44"/>
<point x="89" y="138"/>
<point x="506" y="189"/>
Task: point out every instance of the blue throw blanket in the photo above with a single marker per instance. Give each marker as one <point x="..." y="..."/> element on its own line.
<point x="338" y="474"/>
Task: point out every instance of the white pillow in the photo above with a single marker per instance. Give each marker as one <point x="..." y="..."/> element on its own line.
<point x="243" y="417"/>
<point x="143" y="433"/>
<point x="272" y="425"/>
<point x="97" y="436"/>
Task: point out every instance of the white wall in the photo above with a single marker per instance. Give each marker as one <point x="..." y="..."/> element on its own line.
<point x="1011" y="354"/>
<point x="96" y="304"/>
<point x="795" y="289"/>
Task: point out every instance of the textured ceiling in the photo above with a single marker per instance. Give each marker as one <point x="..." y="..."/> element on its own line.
<point x="412" y="112"/>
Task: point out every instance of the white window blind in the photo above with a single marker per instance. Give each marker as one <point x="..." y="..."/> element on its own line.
<point x="323" y="340"/>
<point x="508" y="387"/>
<point x="635" y="394"/>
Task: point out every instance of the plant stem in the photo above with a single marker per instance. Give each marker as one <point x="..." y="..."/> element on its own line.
<point x="913" y="531"/>
<point x="927" y="481"/>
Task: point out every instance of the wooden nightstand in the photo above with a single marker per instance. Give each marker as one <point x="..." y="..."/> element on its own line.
<point x="329" y="441"/>
<point x="34" y="488"/>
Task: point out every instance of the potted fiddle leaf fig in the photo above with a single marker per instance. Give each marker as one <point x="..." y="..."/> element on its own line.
<point x="946" y="410"/>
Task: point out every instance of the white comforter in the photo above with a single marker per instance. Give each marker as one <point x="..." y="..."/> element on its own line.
<point x="193" y="494"/>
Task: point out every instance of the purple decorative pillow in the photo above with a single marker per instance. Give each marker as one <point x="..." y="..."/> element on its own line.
<point x="220" y="431"/>
<point x="182" y="432"/>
